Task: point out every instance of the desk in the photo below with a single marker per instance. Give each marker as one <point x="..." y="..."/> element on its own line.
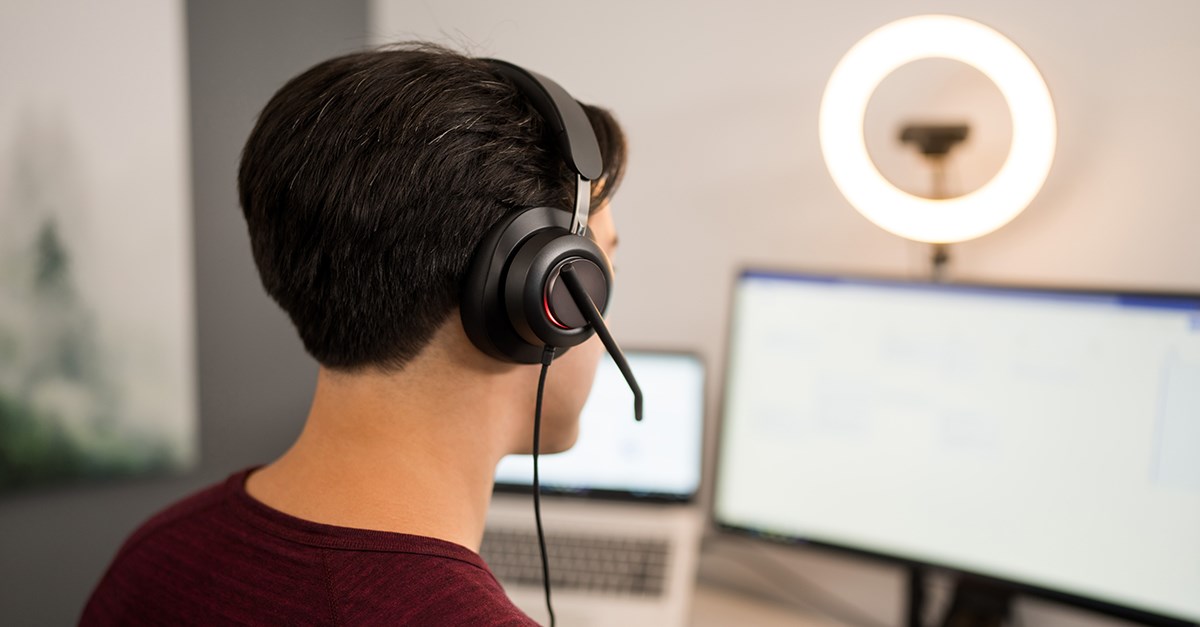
<point x="716" y="606"/>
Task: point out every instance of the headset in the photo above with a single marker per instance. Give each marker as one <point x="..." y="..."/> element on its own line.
<point x="536" y="284"/>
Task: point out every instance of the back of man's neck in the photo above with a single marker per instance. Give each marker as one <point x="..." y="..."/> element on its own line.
<point x="399" y="456"/>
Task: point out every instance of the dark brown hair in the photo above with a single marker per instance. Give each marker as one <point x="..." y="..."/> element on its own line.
<point x="369" y="180"/>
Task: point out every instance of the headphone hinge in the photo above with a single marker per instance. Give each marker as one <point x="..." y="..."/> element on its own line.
<point x="583" y="201"/>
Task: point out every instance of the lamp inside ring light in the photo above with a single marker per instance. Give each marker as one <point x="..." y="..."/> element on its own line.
<point x="980" y="212"/>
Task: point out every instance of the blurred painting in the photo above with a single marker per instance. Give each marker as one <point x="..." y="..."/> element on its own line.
<point x="96" y="332"/>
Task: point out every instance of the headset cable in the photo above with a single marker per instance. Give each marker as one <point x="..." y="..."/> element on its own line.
<point x="547" y="357"/>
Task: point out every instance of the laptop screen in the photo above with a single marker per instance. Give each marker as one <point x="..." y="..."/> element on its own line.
<point x="658" y="458"/>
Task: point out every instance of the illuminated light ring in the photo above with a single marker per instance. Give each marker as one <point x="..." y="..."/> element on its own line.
<point x="980" y="212"/>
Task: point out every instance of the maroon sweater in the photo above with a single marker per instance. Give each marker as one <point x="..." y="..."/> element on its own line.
<point x="220" y="557"/>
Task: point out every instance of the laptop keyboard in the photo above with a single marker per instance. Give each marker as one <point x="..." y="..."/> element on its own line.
<point x="608" y="564"/>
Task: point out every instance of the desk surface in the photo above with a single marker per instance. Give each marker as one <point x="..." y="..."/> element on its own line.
<point x="714" y="606"/>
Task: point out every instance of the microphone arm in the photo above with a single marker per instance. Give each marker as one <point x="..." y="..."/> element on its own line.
<point x="592" y="314"/>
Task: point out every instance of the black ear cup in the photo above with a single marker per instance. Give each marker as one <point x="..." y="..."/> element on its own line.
<point x="542" y="311"/>
<point x="512" y="303"/>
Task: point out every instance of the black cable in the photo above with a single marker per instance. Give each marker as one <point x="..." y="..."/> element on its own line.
<point x="547" y="357"/>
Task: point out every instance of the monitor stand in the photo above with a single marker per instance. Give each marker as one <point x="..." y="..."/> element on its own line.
<point x="976" y="602"/>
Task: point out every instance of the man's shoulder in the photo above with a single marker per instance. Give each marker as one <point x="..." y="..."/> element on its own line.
<point x="199" y="504"/>
<point x="220" y="557"/>
<point x="176" y="551"/>
<point x="418" y="587"/>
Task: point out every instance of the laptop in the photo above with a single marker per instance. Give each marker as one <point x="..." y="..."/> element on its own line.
<point x="618" y="509"/>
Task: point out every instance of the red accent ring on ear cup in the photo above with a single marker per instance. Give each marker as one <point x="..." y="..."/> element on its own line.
<point x="550" y="314"/>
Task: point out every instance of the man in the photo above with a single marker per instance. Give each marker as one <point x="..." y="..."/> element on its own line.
<point x="367" y="184"/>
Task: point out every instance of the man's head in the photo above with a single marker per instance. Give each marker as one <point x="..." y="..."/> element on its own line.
<point x="370" y="179"/>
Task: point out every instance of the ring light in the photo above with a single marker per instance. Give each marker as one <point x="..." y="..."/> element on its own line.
<point x="982" y="211"/>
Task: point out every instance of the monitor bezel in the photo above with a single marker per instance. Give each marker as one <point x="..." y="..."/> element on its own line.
<point x="635" y="495"/>
<point x="1106" y="607"/>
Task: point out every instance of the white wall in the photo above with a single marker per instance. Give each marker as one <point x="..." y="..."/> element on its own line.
<point x="720" y="102"/>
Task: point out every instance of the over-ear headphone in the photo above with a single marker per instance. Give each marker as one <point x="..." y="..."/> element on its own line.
<point x="536" y="284"/>
<point x="518" y="297"/>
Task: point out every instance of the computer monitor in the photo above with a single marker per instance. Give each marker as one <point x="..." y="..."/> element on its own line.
<point x="1047" y="438"/>
<point x="615" y="456"/>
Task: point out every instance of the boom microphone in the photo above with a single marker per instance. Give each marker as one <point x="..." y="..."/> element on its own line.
<point x="592" y="315"/>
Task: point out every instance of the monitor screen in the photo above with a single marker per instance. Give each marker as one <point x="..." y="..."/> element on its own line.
<point x="1049" y="438"/>
<point x="656" y="458"/>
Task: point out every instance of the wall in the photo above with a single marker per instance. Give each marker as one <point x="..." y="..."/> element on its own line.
<point x="254" y="378"/>
<point x="720" y="101"/>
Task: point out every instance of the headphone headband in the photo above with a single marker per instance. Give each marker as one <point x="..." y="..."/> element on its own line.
<point x="570" y="125"/>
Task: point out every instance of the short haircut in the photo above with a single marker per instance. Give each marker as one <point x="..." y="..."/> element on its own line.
<point x="369" y="180"/>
